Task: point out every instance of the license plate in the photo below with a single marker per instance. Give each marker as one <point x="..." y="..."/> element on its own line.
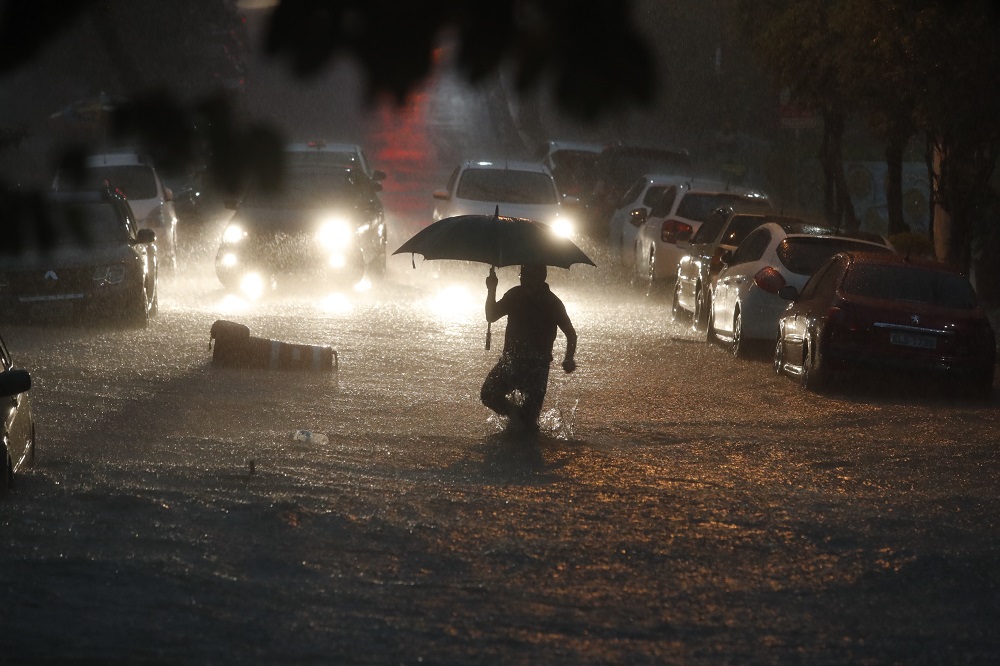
<point x="913" y="340"/>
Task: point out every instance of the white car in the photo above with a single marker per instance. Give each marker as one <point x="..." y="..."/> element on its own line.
<point x="517" y="188"/>
<point x="632" y="211"/>
<point x="745" y="303"/>
<point x="320" y="153"/>
<point x="134" y="176"/>
<point x="678" y="214"/>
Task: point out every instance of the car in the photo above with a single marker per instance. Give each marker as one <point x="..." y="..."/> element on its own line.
<point x="572" y="164"/>
<point x="515" y="188"/>
<point x="316" y="153"/>
<point x="886" y="313"/>
<point x="324" y="226"/>
<point x="99" y="264"/>
<point x="745" y="306"/>
<point x="723" y="231"/>
<point x="632" y="210"/>
<point x="616" y="168"/>
<point x="135" y="175"/>
<point x="675" y="218"/>
<point x="18" y="421"/>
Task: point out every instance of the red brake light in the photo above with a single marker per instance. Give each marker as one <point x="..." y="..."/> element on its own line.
<point x="769" y="279"/>
<point x="670" y="229"/>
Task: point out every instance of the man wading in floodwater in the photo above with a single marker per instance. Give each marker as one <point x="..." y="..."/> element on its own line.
<point x="533" y="313"/>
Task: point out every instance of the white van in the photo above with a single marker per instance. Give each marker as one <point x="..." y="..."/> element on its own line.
<point x="136" y="177"/>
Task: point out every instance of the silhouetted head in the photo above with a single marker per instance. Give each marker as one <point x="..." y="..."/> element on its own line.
<point x="533" y="274"/>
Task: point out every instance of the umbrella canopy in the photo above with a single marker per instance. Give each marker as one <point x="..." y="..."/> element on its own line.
<point x="494" y="240"/>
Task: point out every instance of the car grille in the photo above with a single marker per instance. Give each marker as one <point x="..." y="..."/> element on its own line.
<point x="39" y="286"/>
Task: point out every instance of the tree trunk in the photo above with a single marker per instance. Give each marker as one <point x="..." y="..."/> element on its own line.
<point x="894" y="185"/>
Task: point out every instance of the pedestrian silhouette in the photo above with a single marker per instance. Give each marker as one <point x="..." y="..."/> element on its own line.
<point x="516" y="385"/>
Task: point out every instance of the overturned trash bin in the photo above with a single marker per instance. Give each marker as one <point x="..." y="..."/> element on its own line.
<point x="233" y="347"/>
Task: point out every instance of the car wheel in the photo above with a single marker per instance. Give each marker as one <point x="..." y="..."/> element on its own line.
<point x="648" y="278"/>
<point x="710" y="336"/>
<point x="137" y="310"/>
<point x="676" y="313"/>
<point x="779" y="356"/>
<point x="738" y="347"/>
<point x="154" y="307"/>
<point x="699" y="319"/>
<point x="813" y="375"/>
<point x="6" y="474"/>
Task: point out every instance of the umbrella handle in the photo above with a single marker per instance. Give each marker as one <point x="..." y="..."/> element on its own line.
<point x="489" y="334"/>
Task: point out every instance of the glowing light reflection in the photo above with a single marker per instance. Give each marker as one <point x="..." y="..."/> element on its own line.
<point x="454" y="303"/>
<point x="336" y="303"/>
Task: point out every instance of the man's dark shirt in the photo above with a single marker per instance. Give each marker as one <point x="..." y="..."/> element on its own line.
<point x="533" y="315"/>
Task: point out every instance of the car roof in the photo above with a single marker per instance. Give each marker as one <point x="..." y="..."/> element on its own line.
<point x="697" y="185"/>
<point x="118" y="159"/>
<point x="896" y="259"/>
<point x="513" y="165"/>
<point x="555" y="145"/>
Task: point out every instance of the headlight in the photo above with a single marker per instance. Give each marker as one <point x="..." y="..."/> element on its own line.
<point x="113" y="274"/>
<point x="229" y="259"/>
<point x="253" y="285"/>
<point x="234" y="233"/>
<point x="563" y="227"/>
<point x="334" y="234"/>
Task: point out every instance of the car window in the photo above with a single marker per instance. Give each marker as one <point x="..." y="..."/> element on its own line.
<point x="739" y="227"/>
<point x="823" y="274"/>
<point x="666" y="202"/>
<point x="632" y="193"/>
<point x="712" y="227"/>
<point x="653" y="195"/>
<point x="507" y="186"/>
<point x="752" y="248"/>
<point x="803" y="255"/>
<point x="135" y="180"/>
<point x="699" y="205"/>
<point x="910" y="283"/>
<point x="310" y="189"/>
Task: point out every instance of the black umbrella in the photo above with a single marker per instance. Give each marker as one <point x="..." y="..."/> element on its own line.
<point x="494" y="240"/>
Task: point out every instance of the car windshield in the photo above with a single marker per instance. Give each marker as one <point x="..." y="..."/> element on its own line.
<point x="328" y="158"/>
<point x="306" y="188"/>
<point x="77" y="225"/>
<point x="135" y="180"/>
<point x="805" y="255"/>
<point x="507" y="186"/>
<point x="910" y="283"/>
<point x="698" y="206"/>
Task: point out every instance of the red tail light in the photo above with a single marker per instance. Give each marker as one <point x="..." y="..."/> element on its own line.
<point x="671" y="228"/>
<point x="769" y="279"/>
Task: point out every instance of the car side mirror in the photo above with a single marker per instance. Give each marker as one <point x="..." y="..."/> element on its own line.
<point x="726" y="257"/>
<point x="145" y="236"/>
<point x="441" y="194"/>
<point x="13" y="382"/>
<point x="378" y="174"/>
<point x="788" y="292"/>
<point x="168" y="194"/>
<point x="637" y="217"/>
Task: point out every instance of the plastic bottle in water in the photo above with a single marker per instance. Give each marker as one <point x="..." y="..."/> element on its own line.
<point x="310" y="437"/>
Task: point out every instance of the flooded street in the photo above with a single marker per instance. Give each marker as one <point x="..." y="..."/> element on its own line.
<point x="679" y="506"/>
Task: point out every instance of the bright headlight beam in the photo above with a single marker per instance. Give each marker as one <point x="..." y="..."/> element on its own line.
<point x="233" y="234"/>
<point x="334" y="233"/>
<point x="563" y="228"/>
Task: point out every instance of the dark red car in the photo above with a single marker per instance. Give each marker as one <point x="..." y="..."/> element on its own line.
<point x="890" y="314"/>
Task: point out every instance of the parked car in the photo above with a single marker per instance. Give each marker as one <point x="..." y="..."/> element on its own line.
<point x="616" y="168"/>
<point x="888" y="314"/>
<point x="317" y="153"/>
<point x="723" y="231"/>
<point x="97" y="263"/>
<point x="675" y="218"/>
<point x="632" y="210"/>
<point x="137" y="178"/>
<point x="18" y="422"/>
<point x="326" y="225"/>
<point x="517" y="188"/>
<point x="745" y="305"/>
<point x="572" y="164"/>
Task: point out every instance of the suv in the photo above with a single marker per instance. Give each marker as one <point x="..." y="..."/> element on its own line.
<point x="514" y="188"/>
<point x="133" y="175"/>
<point x="96" y="261"/>
<point x="676" y="216"/>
